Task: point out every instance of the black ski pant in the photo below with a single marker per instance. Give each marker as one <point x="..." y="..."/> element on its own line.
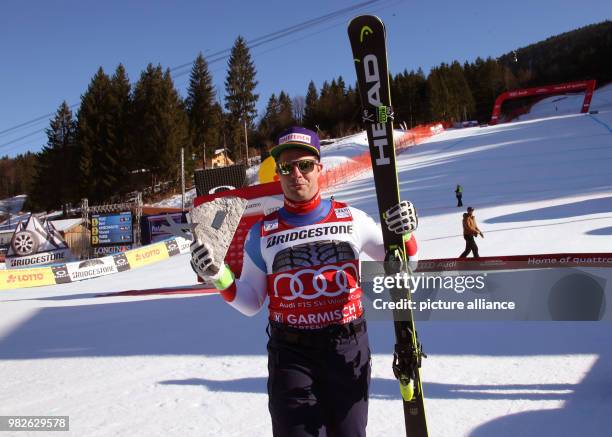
<point x="318" y="381"/>
<point x="470" y="246"/>
<point x="459" y="200"/>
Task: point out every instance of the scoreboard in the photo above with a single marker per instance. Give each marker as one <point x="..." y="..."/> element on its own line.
<point x="110" y="229"/>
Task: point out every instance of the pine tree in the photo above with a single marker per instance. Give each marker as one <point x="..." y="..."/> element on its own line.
<point x="285" y="112"/>
<point x="96" y="138"/>
<point x="409" y="97"/>
<point x="203" y="112"/>
<point x="55" y="179"/>
<point x="160" y="124"/>
<point x="269" y="122"/>
<point x="310" y="110"/>
<point x="119" y="154"/>
<point x="460" y="89"/>
<point x="240" y="99"/>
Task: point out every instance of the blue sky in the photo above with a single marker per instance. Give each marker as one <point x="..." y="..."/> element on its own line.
<point x="49" y="50"/>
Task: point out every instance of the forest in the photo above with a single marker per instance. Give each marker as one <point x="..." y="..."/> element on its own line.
<point x="126" y="136"/>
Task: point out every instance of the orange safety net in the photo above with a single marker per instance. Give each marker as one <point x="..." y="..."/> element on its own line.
<point x="349" y="170"/>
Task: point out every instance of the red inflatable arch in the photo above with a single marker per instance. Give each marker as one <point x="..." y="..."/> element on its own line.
<point x="588" y="85"/>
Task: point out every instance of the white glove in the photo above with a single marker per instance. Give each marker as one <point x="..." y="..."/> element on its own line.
<point x="401" y="218"/>
<point x="202" y="260"/>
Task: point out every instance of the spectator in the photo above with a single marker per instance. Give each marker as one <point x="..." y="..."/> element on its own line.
<point x="459" y="194"/>
<point x="470" y="232"/>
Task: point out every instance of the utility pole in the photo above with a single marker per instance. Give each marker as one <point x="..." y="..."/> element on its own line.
<point x="246" y="142"/>
<point x="204" y="155"/>
<point x="182" y="179"/>
<point x="204" y="147"/>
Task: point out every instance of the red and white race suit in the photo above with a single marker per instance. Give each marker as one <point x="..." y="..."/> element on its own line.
<point x="307" y="264"/>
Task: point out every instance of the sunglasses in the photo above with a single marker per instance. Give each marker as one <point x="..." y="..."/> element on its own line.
<point x="304" y="166"/>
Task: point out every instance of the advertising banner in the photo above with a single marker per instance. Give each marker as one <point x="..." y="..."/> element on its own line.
<point x="159" y="227"/>
<point x="38" y="259"/>
<point x="100" y="251"/>
<point x="91" y="268"/>
<point x="36" y="243"/>
<point x="11" y="279"/>
<point x="147" y="255"/>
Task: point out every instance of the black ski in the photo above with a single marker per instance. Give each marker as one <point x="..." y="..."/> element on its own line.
<point x="368" y="41"/>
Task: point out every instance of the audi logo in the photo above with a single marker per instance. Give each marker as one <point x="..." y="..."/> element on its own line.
<point x="319" y="282"/>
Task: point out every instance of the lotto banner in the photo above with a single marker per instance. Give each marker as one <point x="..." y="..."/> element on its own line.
<point x="147" y="255"/>
<point x="93" y="268"/>
<point x="17" y="278"/>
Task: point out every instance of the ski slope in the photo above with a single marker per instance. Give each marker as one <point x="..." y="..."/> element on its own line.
<point x="190" y="365"/>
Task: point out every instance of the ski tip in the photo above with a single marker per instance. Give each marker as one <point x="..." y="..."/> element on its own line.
<point x="362" y="25"/>
<point x="365" y="17"/>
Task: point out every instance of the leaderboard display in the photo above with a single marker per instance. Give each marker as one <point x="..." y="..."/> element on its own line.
<point x="112" y="229"/>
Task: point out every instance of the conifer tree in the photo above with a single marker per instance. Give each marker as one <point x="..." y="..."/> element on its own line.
<point x="96" y="139"/>
<point x="202" y="110"/>
<point x="269" y="121"/>
<point x="240" y="98"/>
<point x="120" y="154"/>
<point x="160" y="124"/>
<point x="310" y="110"/>
<point x="55" y="179"/>
<point x="285" y="112"/>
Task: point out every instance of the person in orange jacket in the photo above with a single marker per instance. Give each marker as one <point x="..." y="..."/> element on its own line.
<point x="470" y="232"/>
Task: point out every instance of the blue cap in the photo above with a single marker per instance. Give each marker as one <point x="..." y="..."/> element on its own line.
<point x="297" y="137"/>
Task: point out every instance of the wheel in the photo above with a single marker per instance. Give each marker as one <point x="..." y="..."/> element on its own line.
<point x="24" y="243"/>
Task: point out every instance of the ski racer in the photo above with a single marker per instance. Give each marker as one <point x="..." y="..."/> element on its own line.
<point x="305" y="259"/>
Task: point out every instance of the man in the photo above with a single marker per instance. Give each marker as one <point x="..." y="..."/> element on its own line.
<point x="459" y="195"/>
<point x="305" y="259"/>
<point x="470" y="232"/>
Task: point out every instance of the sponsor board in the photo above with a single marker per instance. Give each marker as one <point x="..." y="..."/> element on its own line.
<point x="11" y="279"/>
<point x="91" y="268"/>
<point x="184" y="244"/>
<point x="61" y="274"/>
<point x="147" y="255"/>
<point x="160" y="227"/>
<point x="518" y="262"/>
<point x="172" y="247"/>
<point x="38" y="259"/>
<point x="110" y="250"/>
<point x="121" y="262"/>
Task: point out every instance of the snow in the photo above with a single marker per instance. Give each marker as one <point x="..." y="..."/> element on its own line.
<point x="191" y="365"/>
<point x="10" y="211"/>
<point x="64" y="225"/>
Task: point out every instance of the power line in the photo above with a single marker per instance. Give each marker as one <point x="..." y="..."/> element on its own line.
<point x="221" y="55"/>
